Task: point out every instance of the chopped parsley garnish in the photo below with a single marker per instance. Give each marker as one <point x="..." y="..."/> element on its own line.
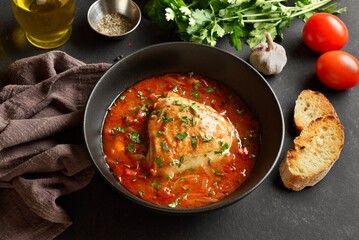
<point x="122" y="97"/>
<point x="177" y="103"/>
<point x="209" y="89"/>
<point x="164" y="146"/>
<point x="159" y="162"/>
<point x="224" y="146"/>
<point x="118" y="130"/>
<point x="195" y="94"/>
<point x="194" y="107"/>
<point x="194" y="121"/>
<point x="218" y="173"/>
<point x="178" y="163"/>
<point x="130" y="147"/>
<point x="135" y="137"/>
<point x="240" y="111"/>
<point x="181" y="136"/>
<point x="174" y="204"/>
<point x="197" y="85"/>
<point x="184" y="119"/>
<point x="175" y="89"/>
<point x="159" y="133"/>
<point x="206" y="139"/>
<point x="144" y="107"/>
<point x="155" y="112"/>
<point x="181" y="104"/>
<point x="194" y="141"/>
<point x="140" y="95"/>
<point x="181" y="159"/>
<point x="165" y="119"/>
<point x="156" y="185"/>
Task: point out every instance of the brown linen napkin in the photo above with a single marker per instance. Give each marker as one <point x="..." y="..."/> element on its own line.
<point x="42" y="156"/>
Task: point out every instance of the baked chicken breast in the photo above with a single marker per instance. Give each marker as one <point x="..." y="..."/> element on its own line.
<point x="185" y="134"/>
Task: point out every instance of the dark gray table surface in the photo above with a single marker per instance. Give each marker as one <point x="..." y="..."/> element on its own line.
<point x="328" y="210"/>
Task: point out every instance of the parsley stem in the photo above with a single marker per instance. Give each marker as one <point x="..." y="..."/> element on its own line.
<point x="260" y="14"/>
<point x="214" y="20"/>
<point x="311" y="7"/>
<point x="305" y="9"/>
<point x="291" y="12"/>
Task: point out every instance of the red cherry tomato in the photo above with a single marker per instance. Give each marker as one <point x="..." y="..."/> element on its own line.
<point x="338" y="69"/>
<point x="325" y="32"/>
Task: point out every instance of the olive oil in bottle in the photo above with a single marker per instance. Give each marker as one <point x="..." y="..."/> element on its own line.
<point x="46" y="23"/>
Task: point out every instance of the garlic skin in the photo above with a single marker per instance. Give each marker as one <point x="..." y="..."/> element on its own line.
<point x="268" y="57"/>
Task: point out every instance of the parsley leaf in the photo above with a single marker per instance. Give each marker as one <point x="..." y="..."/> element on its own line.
<point x="130" y="147"/>
<point x="195" y="94"/>
<point x="156" y="185"/>
<point x="181" y="136"/>
<point x="165" y="119"/>
<point x="164" y="146"/>
<point x="159" y="162"/>
<point x="135" y="137"/>
<point x="195" y="108"/>
<point x="174" y="204"/>
<point x="194" y="141"/>
<point x="118" y="130"/>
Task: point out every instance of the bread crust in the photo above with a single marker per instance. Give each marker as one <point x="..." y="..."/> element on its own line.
<point x="318" y="145"/>
<point x="309" y="106"/>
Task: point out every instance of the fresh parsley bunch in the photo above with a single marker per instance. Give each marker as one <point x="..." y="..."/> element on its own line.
<point x="205" y="21"/>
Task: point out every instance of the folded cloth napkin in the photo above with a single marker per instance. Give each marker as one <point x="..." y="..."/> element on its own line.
<point x="42" y="156"/>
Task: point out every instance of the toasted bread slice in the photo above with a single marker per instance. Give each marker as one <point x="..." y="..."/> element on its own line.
<point x="313" y="153"/>
<point x="309" y="106"/>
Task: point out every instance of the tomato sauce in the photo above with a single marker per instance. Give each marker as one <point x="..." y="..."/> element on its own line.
<point x="125" y="142"/>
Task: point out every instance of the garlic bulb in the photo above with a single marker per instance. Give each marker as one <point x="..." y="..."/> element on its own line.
<point x="269" y="57"/>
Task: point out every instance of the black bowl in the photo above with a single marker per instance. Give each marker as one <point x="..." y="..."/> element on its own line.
<point x="200" y="59"/>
